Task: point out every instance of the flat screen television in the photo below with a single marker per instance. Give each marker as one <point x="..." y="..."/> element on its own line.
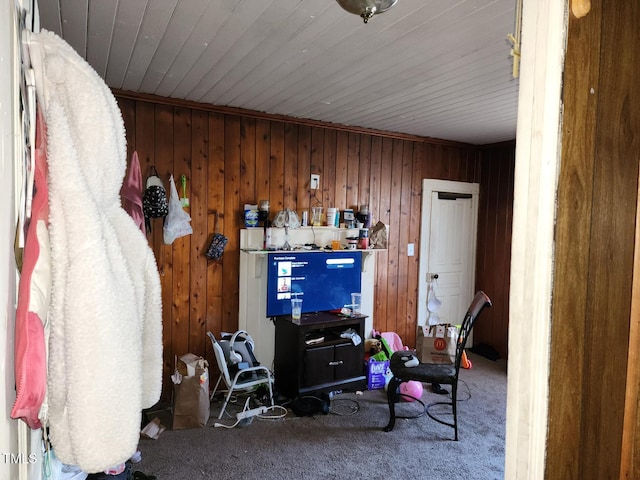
<point x="323" y="280"/>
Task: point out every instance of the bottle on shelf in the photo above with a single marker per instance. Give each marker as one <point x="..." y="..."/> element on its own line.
<point x="363" y="216"/>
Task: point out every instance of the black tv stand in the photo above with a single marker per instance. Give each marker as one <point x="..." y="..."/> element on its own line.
<point x="312" y="357"/>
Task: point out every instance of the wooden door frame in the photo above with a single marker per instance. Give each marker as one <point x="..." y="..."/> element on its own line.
<point x="544" y="28"/>
<point x="429" y="186"/>
<point x="629" y="464"/>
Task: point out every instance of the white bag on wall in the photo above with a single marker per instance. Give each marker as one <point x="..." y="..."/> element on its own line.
<point x="177" y="223"/>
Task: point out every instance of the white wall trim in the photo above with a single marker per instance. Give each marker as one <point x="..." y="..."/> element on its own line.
<point x="10" y="139"/>
<point x="536" y="181"/>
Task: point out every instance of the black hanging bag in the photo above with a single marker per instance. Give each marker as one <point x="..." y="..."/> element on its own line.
<point x="216" y="249"/>
<point x="154" y="198"/>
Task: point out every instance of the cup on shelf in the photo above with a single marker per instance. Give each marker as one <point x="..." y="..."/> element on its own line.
<point x="363" y="238"/>
<point x="356" y="302"/>
<point x="296" y="309"/>
<point x="316" y="216"/>
<point x="332" y="216"/>
<point x="336" y="241"/>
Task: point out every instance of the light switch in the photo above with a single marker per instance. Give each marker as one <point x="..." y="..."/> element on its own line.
<point x="410" y="250"/>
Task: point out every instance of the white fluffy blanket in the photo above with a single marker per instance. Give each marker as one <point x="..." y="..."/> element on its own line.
<point x="105" y="343"/>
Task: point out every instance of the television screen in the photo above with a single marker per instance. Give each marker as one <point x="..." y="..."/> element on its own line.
<point x="323" y="280"/>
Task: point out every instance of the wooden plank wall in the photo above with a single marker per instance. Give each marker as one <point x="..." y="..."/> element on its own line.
<point x="596" y="235"/>
<point x="233" y="158"/>
<point x="493" y="261"/>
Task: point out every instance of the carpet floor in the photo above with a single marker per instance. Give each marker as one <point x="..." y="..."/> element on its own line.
<point x="348" y="442"/>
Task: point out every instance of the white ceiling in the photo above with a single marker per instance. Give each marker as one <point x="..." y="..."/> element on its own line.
<point x="434" y="68"/>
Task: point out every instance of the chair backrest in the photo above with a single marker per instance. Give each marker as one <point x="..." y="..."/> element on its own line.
<point x="480" y="300"/>
<point x="220" y="359"/>
<point x="239" y="347"/>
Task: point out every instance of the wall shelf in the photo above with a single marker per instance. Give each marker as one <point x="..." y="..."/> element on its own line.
<point x="252" y="240"/>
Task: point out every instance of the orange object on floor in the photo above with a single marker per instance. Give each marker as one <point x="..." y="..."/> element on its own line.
<point x="465" y="362"/>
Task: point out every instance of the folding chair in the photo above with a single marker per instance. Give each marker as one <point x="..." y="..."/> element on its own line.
<point x="245" y="379"/>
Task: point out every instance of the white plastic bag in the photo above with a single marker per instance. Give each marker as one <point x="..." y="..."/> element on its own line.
<point x="433" y="302"/>
<point x="177" y="223"/>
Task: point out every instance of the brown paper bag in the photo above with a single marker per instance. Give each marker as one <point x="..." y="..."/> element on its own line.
<point x="191" y="393"/>
<point x="378" y="236"/>
<point x="437" y="343"/>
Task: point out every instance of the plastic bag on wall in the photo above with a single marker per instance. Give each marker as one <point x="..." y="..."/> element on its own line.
<point x="177" y="224"/>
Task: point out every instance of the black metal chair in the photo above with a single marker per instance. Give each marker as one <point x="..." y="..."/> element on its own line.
<point x="434" y="373"/>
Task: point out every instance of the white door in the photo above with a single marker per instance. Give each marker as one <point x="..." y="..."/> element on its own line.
<point x="448" y="247"/>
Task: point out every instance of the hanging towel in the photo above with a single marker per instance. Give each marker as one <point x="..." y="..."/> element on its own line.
<point x="131" y="193"/>
<point x="105" y="345"/>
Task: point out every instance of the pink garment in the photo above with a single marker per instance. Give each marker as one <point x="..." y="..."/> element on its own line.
<point x="131" y="193"/>
<point x="33" y="296"/>
<point x="392" y="338"/>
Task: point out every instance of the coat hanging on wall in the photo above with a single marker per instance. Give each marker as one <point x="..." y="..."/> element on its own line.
<point x="105" y="343"/>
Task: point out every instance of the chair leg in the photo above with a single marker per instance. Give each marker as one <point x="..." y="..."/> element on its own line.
<point x="270" y="383"/>
<point x="215" y="389"/>
<point x="224" y="405"/>
<point x="454" y="410"/>
<point x="392" y="388"/>
<point x="454" y="399"/>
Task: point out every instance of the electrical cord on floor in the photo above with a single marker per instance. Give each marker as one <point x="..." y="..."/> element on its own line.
<point x="338" y="406"/>
<point x="344" y="406"/>
<point x="422" y="412"/>
<point x="223" y="425"/>
<point x="239" y="420"/>
<point x="235" y="399"/>
<point x="443" y="407"/>
<point x="263" y="416"/>
<point x="468" y="391"/>
<point x="247" y="421"/>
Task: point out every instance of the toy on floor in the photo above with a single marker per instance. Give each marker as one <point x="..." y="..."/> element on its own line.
<point x="380" y="347"/>
<point x="411" y="391"/>
<point x="377" y="348"/>
<point x="372" y="346"/>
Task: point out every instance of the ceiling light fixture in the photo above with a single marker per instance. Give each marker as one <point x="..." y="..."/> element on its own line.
<point x="366" y="8"/>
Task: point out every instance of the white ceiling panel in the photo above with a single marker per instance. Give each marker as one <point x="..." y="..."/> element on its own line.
<point x="102" y="17"/>
<point x="170" y="47"/>
<point x="154" y="24"/>
<point x="434" y="68"/>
